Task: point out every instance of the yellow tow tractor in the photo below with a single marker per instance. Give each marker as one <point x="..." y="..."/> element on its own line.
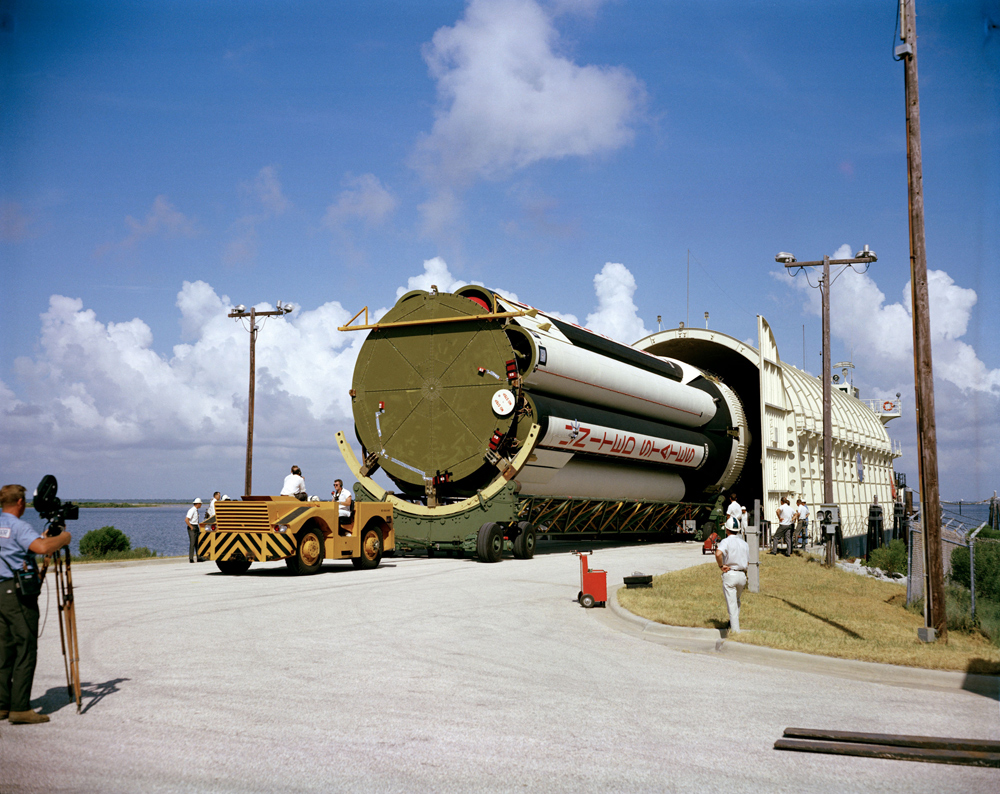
<point x="303" y="534"/>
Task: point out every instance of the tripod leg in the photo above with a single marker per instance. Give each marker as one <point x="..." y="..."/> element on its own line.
<point x="60" y="604"/>
<point x="74" y="645"/>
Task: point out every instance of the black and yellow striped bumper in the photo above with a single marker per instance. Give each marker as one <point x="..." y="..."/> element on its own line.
<point x="255" y="546"/>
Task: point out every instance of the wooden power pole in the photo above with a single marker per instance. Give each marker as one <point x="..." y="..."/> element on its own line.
<point x="239" y="313"/>
<point x="930" y="496"/>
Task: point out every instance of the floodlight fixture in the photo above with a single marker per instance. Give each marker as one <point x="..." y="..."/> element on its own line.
<point x="866" y="254"/>
<point x="786" y="258"/>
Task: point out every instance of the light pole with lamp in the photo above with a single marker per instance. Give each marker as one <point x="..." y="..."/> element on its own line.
<point x="863" y="257"/>
<point x="240" y="313"/>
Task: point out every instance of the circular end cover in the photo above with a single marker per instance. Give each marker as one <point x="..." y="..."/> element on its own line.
<point x="425" y="392"/>
<point x="503" y="402"/>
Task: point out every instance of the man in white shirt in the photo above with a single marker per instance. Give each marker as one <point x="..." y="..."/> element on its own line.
<point x="210" y="512"/>
<point x="802" y="523"/>
<point x="192" y="521"/>
<point x="295" y="485"/>
<point x="345" y="500"/>
<point x="786" y="520"/>
<point x="733" y="556"/>
<point x="737" y="511"/>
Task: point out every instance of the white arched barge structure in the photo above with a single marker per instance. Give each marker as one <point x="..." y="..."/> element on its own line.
<point x="784" y="410"/>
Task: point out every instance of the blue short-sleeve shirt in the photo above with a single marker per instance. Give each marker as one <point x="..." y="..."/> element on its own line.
<point x="15" y="537"/>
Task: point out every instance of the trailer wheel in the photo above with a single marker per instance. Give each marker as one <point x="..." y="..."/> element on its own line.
<point x="587" y="600"/>
<point x="524" y="543"/>
<point x="489" y="542"/>
<point x="371" y="549"/>
<point x="235" y="565"/>
<point x="308" y="554"/>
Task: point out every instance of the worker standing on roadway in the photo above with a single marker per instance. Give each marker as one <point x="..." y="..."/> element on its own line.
<point x="295" y="485"/>
<point x="19" y="543"/>
<point x="733" y="557"/>
<point x="345" y="501"/>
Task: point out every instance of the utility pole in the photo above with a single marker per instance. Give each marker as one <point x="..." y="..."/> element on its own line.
<point x="935" y="619"/>
<point x="241" y="313"/>
<point x="863" y="257"/>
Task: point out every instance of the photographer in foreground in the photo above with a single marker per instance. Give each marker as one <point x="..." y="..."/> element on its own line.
<point x="19" y="542"/>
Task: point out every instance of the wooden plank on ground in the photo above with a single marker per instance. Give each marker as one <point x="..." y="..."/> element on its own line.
<point x="895" y="740"/>
<point x="963" y="757"/>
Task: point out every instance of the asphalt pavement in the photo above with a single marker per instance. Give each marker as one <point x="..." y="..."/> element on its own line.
<point x="446" y="675"/>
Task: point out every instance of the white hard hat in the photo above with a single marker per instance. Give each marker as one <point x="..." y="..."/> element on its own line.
<point x="197" y="501"/>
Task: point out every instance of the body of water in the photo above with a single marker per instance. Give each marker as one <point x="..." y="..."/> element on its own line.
<point x="969" y="516"/>
<point x="161" y="529"/>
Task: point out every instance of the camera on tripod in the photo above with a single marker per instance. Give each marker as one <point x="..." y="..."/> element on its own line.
<point x="51" y="507"/>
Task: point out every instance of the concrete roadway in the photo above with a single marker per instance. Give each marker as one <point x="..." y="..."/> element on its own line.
<point x="438" y="675"/>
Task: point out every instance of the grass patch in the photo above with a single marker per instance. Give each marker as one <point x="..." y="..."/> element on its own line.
<point x="141" y="553"/>
<point x="805" y="607"/>
<point x="958" y="609"/>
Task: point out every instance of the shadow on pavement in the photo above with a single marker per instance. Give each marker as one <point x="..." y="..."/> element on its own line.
<point x="58" y="697"/>
<point x="281" y="571"/>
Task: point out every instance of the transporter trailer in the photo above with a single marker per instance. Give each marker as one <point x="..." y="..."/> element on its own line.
<point x="497" y="422"/>
<point x="303" y="534"/>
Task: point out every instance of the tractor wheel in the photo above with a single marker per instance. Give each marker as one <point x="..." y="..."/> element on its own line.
<point x="371" y="549"/>
<point x="308" y="557"/>
<point x="524" y="543"/>
<point x="235" y="565"/>
<point x="489" y="542"/>
<point x="587" y="600"/>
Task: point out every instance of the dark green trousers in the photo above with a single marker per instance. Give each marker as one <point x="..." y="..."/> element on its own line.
<point x="18" y="648"/>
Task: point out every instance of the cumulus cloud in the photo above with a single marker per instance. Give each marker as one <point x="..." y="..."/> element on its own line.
<point x="966" y="391"/>
<point x="436" y="273"/>
<point x="881" y="333"/>
<point x="98" y="396"/>
<point x="96" y="388"/>
<point x="509" y="97"/>
<point x="163" y="220"/>
<point x="616" y="315"/>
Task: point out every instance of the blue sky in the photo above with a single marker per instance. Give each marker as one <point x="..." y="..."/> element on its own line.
<point x="160" y="162"/>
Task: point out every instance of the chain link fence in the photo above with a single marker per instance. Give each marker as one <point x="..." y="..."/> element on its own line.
<point x="954" y="535"/>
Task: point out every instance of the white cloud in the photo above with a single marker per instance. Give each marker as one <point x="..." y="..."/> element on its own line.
<point x="436" y="273"/>
<point x="267" y="189"/>
<point x="616" y="314"/>
<point x="508" y="97"/>
<point x="365" y="199"/>
<point x="199" y="305"/>
<point x="266" y="201"/>
<point x="881" y="334"/>
<point x="966" y="391"/>
<point x="96" y="399"/>
<point x="162" y="220"/>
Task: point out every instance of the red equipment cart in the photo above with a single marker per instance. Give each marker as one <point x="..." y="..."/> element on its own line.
<point x="593" y="584"/>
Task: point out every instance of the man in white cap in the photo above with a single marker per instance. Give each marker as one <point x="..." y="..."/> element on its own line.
<point x="192" y="522"/>
<point x="733" y="557"/>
